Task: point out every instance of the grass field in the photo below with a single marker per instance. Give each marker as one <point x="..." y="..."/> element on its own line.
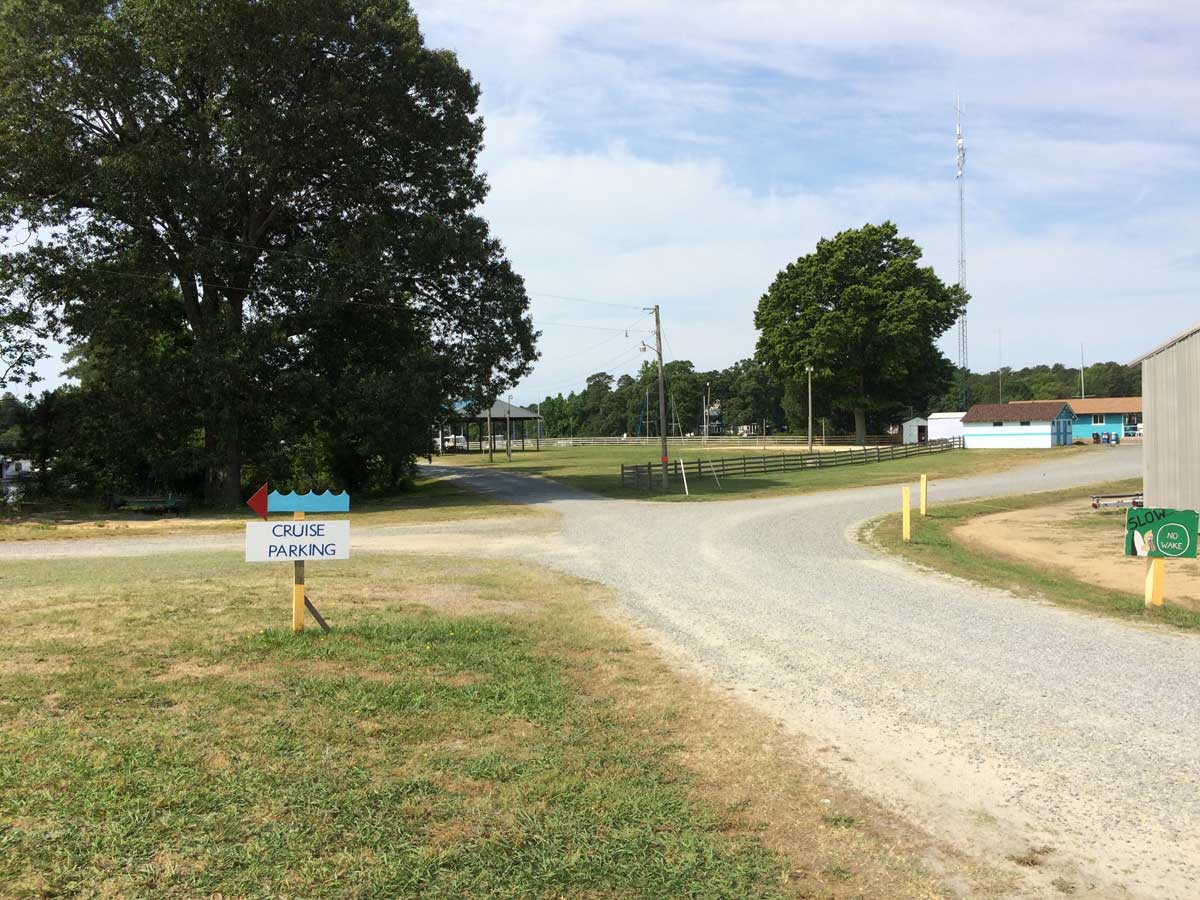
<point x="430" y="500"/>
<point x="471" y="729"/>
<point x="934" y="545"/>
<point x="598" y="469"/>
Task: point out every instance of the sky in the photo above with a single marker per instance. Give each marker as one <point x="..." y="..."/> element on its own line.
<point x="682" y="152"/>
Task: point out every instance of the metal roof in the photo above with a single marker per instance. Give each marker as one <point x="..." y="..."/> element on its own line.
<point x="1182" y="336"/>
<point x="947" y="415"/>
<point x="500" y="410"/>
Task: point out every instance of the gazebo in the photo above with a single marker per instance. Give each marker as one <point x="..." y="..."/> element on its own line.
<point x="506" y="418"/>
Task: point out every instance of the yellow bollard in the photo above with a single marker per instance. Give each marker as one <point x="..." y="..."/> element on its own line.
<point x="298" y="589"/>
<point x="1155" y="570"/>
<point x="906" y="512"/>
<point x="924" y="495"/>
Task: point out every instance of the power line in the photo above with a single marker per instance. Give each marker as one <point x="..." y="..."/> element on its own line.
<point x="541" y="322"/>
<point x="392" y="268"/>
<point x="150" y="276"/>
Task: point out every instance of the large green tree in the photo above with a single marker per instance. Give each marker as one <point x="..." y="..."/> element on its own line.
<point x="298" y="178"/>
<point x="863" y="312"/>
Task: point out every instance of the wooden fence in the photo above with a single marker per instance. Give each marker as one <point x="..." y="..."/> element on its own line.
<point x="726" y="441"/>
<point x="646" y="477"/>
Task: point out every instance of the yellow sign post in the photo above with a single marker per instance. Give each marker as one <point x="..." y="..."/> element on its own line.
<point x="906" y="512"/>
<point x="1155" y="570"/>
<point x="924" y="495"/>
<point x="298" y="588"/>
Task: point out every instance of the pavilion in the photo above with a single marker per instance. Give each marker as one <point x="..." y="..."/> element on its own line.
<point x="502" y="417"/>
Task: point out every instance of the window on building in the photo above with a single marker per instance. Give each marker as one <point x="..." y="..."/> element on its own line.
<point x="997" y="424"/>
<point x="1025" y="424"/>
<point x="1098" y="419"/>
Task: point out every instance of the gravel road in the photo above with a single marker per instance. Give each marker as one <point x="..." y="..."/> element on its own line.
<point x="996" y="722"/>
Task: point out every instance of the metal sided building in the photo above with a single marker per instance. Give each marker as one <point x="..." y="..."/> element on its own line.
<point x="1171" y="412"/>
<point x="1036" y="424"/>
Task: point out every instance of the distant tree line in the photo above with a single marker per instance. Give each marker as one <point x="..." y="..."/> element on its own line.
<point x="1053" y="382"/>
<point x="611" y="406"/>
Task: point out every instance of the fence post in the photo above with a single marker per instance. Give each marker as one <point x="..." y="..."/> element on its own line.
<point x="906" y="514"/>
<point x="924" y="495"/>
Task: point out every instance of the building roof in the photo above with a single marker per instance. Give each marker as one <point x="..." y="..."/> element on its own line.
<point x="1096" y="405"/>
<point x="1166" y="345"/>
<point x="1028" y="411"/>
<point x="947" y="415"/>
<point x="916" y="419"/>
<point x="500" y="410"/>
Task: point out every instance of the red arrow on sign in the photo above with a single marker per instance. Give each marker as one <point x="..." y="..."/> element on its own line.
<point x="258" y="502"/>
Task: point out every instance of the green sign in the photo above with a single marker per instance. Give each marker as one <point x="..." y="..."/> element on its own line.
<point x="1164" y="533"/>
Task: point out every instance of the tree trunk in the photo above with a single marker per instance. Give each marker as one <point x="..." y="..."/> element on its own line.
<point x="860" y="427"/>
<point x="223" y="472"/>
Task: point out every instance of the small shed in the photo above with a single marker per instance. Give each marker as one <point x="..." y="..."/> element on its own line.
<point x="1045" y="423"/>
<point x="945" y="426"/>
<point x="916" y="430"/>
<point x="1171" y="407"/>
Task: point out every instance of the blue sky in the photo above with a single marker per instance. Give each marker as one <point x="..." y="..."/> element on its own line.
<point x="681" y="153"/>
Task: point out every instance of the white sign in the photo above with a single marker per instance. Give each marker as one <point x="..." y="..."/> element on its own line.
<point x="299" y="539"/>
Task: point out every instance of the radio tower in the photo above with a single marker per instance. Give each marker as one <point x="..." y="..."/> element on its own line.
<point x="964" y="372"/>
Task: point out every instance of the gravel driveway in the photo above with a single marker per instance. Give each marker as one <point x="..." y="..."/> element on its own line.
<point x="1000" y="723"/>
<point x="996" y="722"/>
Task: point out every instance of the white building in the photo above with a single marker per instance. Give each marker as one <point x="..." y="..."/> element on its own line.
<point x="1037" y="424"/>
<point x="14" y="469"/>
<point x="916" y="431"/>
<point x="945" y="426"/>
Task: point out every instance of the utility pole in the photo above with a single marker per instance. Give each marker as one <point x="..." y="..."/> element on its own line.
<point x="538" y="445"/>
<point x="1000" y="341"/>
<point x="662" y="393"/>
<point x="960" y="170"/>
<point x="707" y="402"/>
<point x="490" y="435"/>
<point x="508" y="429"/>
<point x="808" y="369"/>
<point x="1082" y="387"/>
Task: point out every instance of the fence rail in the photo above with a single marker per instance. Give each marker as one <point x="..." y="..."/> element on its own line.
<point x="725" y="441"/>
<point x="644" y="477"/>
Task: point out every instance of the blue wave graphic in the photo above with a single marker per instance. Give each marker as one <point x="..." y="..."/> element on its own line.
<point x="306" y="503"/>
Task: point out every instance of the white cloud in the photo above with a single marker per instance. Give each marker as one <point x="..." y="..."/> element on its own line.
<point x="682" y="153"/>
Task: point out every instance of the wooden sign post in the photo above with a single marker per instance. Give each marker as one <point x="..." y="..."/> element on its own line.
<point x="298" y="587"/>
<point x="299" y="540"/>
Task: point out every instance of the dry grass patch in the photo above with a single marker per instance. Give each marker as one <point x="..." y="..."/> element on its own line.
<point x="516" y="743"/>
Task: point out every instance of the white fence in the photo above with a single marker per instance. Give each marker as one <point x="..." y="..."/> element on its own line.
<point x="728" y="440"/>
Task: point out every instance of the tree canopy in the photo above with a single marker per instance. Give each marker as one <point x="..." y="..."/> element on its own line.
<point x="865" y="315"/>
<point x="256" y="224"/>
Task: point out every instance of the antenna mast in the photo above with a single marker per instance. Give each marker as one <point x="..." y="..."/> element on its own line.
<point x="964" y="371"/>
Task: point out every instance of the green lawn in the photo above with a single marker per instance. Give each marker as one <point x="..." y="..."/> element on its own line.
<point x="934" y="545"/>
<point x="429" y="500"/>
<point x="598" y="469"/>
<point x="471" y="729"/>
